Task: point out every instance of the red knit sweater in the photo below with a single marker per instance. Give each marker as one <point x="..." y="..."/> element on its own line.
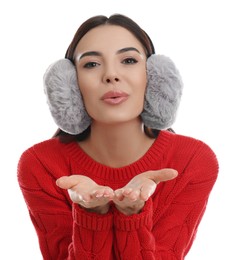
<point x="166" y="227"/>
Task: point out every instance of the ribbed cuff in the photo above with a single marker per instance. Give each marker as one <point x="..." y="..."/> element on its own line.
<point x="135" y="221"/>
<point x="92" y="221"/>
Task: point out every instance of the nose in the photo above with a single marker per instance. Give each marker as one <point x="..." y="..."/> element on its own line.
<point x="111" y="79"/>
<point x="110" y="74"/>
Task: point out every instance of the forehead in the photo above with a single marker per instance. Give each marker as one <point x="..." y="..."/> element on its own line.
<point x="108" y="37"/>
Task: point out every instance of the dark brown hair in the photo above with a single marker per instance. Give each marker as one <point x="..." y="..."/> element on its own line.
<point x="116" y="19"/>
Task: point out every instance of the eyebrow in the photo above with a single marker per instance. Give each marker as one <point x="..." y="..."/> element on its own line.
<point x="96" y="53"/>
<point x="127" y="49"/>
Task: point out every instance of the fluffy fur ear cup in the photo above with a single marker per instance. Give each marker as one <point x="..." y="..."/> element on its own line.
<point x="163" y="93"/>
<point x="64" y="97"/>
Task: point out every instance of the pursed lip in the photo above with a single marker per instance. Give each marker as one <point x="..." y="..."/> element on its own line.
<point x="114" y="97"/>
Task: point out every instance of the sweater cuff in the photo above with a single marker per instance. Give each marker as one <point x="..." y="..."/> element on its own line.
<point x="135" y="221"/>
<point x="92" y="221"/>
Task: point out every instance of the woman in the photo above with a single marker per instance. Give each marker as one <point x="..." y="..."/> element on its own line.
<point x="114" y="183"/>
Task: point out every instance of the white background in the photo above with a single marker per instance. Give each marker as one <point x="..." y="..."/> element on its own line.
<point x="197" y="35"/>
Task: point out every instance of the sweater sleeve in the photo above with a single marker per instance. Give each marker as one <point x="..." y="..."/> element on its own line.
<point x="185" y="200"/>
<point x="93" y="235"/>
<point x="166" y="228"/>
<point x="134" y="237"/>
<point x="64" y="230"/>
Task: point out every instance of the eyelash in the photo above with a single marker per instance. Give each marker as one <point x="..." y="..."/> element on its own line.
<point x="129" y="61"/>
<point x="92" y="64"/>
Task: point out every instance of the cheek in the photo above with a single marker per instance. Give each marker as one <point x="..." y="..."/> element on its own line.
<point x="89" y="95"/>
<point x="141" y="82"/>
<point x="143" y="90"/>
<point x="85" y="84"/>
<point x="85" y="94"/>
<point x="139" y="92"/>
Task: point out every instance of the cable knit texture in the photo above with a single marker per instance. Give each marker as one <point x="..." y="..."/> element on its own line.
<point x="165" y="228"/>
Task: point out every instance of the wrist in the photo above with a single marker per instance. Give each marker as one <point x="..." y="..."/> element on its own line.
<point x="130" y="210"/>
<point x="104" y="209"/>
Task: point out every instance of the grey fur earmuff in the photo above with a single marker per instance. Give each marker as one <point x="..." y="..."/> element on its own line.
<point x="64" y="97"/>
<point x="162" y="97"/>
<point x="163" y="92"/>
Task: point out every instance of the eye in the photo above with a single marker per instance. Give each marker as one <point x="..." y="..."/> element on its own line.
<point x="90" y="65"/>
<point x="129" y="61"/>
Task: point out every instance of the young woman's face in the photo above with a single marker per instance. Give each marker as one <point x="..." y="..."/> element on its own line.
<point x="111" y="68"/>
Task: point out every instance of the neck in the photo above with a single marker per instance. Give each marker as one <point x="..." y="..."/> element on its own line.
<point x="116" y="145"/>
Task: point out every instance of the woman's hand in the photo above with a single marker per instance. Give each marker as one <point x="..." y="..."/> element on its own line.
<point x="131" y="198"/>
<point x="87" y="193"/>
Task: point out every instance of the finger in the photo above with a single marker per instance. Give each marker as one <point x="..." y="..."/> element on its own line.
<point x="105" y="192"/>
<point x="130" y="193"/>
<point x="98" y="193"/>
<point x="163" y="175"/>
<point x="67" y="182"/>
<point x="126" y="191"/>
<point x="134" y="195"/>
<point x="108" y="193"/>
<point x="86" y="197"/>
<point x="119" y="194"/>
